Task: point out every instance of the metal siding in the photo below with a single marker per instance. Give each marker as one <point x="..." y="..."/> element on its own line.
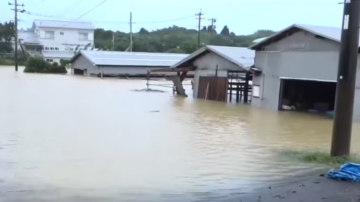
<point x="309" y="65"/>
<point x="303" y="41"/>
<point x="210" y="61"/>
<point x="206" y="66"/>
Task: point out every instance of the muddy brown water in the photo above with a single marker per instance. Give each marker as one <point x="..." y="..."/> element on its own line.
<point x="68" y="138"/>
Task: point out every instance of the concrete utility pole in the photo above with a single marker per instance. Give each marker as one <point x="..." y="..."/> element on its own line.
<point x="199" y="25"/>
<point x="113" y="41"/>
<point x="131" y="32"/>
<point x="16" y="41"/>
<point x="346" y="79"/>
<point x="213" y="26"/>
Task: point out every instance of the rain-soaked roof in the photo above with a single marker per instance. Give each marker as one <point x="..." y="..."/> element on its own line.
<point x="241" y="56"/>
<point x="331" y="33"/>
<point x="140" y="59"/>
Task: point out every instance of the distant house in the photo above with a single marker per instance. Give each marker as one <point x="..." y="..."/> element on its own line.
<point x="299" y="67"/>
<point x="117" y="63"/>
<point x="55" y="40"/>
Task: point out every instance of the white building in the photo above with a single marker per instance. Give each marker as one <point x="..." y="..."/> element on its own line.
<point x="55" y="40"/>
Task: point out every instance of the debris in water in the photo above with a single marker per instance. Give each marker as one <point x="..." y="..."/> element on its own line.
<point x="154" y="111"/>
<point x="148" y="90"/>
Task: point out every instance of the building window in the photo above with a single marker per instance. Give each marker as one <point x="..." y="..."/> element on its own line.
<point x="49" y="34"/>
<point x="256" y="91"/>
<point x="51" y="48"/>
<point x="49" y="60"/>
<point x="46" y="48"/>
<point x="71" y="49"/>
<point x="56" y="48"/>
<point x="83" y="36"/>
<point x="61" y="33"/>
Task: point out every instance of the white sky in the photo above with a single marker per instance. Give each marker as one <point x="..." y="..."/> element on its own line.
<point x="241" y="16"/>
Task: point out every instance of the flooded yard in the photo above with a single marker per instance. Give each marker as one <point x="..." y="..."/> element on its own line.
<point x="69" y="138"/>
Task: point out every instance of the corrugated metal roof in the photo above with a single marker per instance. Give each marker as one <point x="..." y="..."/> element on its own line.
<point x="58" y="54"/>
<point x="259" y="39"/>
<point x="64" y="24"/>
<point x="331" y="33"/>
<point x="117" y="58"/>
<point x="243" y="57"/>
<point x="28" y="37"/>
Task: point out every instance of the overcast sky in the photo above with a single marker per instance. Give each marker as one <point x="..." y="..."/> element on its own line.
<point x="241" y="16"/>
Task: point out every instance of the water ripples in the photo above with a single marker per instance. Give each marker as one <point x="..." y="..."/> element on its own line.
<point x="96" y="138"/>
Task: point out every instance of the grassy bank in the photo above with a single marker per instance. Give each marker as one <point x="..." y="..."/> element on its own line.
<point x="319" y="157"/>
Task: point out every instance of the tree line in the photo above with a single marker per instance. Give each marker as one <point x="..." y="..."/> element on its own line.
<point x="173" y="39"/>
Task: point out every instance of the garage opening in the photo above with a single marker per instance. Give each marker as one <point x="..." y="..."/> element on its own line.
<point x="307" y="95"/>
<point x="78" y="71"/>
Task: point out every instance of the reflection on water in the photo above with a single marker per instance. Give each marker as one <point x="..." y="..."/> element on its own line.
<point x="66" y="136"/>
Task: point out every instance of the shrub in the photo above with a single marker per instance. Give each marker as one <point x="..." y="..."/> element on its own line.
<point x="4" y="61"/>
<point x="64" y="63"/>
<point x="39" y="65"/>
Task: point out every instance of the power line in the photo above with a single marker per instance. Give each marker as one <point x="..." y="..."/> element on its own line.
<point x="87" y="12"/>
<point x="113" y="22"/>
<point x="69" y="7"/>
<point x="199" y="25"/>
<point x="16" y="11"/>
<point x="131" y="42"/>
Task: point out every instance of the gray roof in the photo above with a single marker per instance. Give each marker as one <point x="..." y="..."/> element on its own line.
<point x="140" y="59"/>
<point x="242" y="57"/>
<point x="28" y="37"/>
<point x="58" y="54"/>
<point x="64" y="24"/>
<point x="331" y="33"/>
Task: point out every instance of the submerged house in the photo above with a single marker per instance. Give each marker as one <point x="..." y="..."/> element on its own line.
<point x="299" y="66"/>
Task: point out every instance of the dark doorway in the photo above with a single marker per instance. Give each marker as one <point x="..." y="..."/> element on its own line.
<point x="307" y="95"/>
<point x="78" y="71"/>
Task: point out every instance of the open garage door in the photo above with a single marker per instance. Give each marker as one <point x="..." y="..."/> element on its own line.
<point x="313" y="96"/>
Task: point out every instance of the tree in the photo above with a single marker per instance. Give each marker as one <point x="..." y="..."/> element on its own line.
<point x="7" y="35"/>
<point x="143" y="31"/>
<point x="225" y="31"/>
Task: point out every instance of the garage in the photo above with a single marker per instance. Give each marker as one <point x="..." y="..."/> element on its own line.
<point x="314" y="96"/>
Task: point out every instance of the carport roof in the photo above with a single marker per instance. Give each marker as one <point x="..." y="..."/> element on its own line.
<point x="131" y="59"/>
<point x="241" y="56"/>
<point x="331" y="33"/>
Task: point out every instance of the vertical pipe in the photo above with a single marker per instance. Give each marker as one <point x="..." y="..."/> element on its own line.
<point x="246" y="87"/>
<point x="345" y="91"/>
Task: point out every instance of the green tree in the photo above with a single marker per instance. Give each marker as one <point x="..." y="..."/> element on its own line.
<point x="7" y="34"/>
<point x="225" y="31"/>
<point x="173" y="39"/>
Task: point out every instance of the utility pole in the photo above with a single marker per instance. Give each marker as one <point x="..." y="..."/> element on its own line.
<point x="16" y="41"/>
<point x="113" y="41"/>
<point x="131" y="32"/>
<point x="199" y="25"/>
<point x="344" y="102"/>
<point x="213" y="26"/>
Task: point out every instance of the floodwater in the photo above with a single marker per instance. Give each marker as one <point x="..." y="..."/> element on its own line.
<point x="70" y="138"/>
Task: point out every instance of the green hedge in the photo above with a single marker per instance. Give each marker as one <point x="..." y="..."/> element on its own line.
<point x="4" y="61"/>
<point x="39" y="65"/>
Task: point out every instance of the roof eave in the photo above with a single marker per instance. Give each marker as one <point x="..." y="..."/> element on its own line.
<point x="189" y="57"/>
